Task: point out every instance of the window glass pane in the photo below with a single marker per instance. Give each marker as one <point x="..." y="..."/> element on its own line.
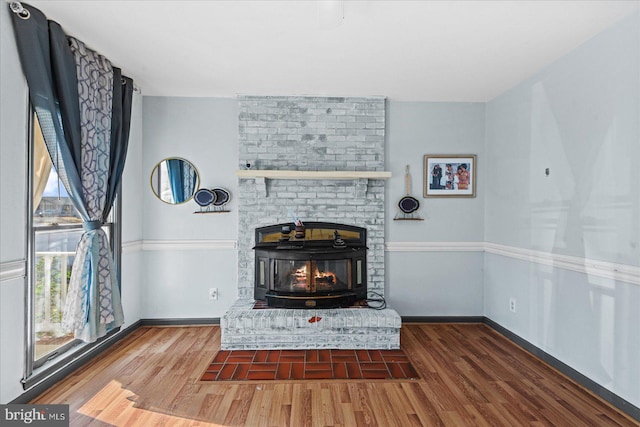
<point x="55" y="206"/>
<point x="54" y="256"/>
<point x="56" y="230"/>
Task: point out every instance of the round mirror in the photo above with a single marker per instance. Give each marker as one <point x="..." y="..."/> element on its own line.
<point x="174" y="180"/>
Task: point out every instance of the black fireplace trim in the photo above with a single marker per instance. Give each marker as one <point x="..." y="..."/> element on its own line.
<point x="269" y="248"/>
<point x="307" y="244"/>
<point x="281" y="300"/>
<point x="270" y="255"/>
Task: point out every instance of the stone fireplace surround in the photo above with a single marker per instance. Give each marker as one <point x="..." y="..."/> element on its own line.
<point x="279" y="133"/>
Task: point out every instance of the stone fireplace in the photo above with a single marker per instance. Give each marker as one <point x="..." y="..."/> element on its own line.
<point x="311" y="134"/>
<point x="323" y="159"/>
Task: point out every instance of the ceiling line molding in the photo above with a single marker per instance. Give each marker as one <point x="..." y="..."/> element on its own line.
<point x="608" y="270"/>
<point x="13" y="270"/>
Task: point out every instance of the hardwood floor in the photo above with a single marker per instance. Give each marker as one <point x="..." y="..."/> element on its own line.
<point x="470" y="376"/>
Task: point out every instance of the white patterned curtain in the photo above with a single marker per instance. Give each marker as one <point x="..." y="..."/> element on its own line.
<point x="93" y="300"/>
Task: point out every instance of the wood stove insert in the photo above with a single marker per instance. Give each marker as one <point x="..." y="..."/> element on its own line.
<point x="321" y="265"/>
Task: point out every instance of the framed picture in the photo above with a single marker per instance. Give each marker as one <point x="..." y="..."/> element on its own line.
<point x="450" y="175"/>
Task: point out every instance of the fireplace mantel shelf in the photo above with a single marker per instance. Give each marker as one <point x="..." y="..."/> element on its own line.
<point x="293" y="174"/>
<point x="360" y="178"/>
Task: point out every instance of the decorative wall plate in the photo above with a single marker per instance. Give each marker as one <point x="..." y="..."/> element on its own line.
<point x="222" y="196"/>
<point x="205" y="197"/>
<point x="408" y="203"/>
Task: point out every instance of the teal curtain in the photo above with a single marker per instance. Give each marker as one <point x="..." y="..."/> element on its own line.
<point x="182" y="178"/>
<point x="175" y="169"/>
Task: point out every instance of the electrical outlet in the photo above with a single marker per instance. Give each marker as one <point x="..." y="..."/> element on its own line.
<point x="213" y="293"/>
<point x="512" y="305"/>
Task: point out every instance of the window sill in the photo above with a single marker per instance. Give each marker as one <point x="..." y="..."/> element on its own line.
<point x="77" y="354"/>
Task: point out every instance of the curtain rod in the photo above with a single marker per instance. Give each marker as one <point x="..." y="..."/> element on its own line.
<point x="16" y="7"/>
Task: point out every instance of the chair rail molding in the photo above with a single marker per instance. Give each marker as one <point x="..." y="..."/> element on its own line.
<point x="434" y="247"/>
<point x="132" y="246"/>
<point x="609" y="270"/>
<point x="10" y="270"/>
<point x="178" y="245"/>
<point x="188" y="245"/>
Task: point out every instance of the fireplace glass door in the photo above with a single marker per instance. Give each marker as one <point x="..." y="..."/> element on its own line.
<point x="315" y="276"/>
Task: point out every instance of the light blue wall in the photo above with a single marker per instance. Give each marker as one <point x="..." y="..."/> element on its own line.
<point x="177" y="280"/>
<point x="204" y="131"/>
<point x="13" y="154"/>
<point x="132" y="220"/>
<point x="434" y="283"/>
<point x="418" y="128"/>
<point x="580" y="118"/>
<point x="13" y="134"/>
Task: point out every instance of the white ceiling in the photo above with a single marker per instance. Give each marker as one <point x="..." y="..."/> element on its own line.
<point x="405" y="50"/>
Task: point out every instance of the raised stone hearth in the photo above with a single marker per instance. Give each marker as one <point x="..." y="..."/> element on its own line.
<point x="244" y="328"/>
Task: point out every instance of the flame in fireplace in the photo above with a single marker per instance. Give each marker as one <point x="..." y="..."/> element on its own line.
<point x="301" y="275"/>
<point x="325" y="277"/>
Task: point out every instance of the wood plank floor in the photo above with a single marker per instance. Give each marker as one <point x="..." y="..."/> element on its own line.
<point x="470" y="376"/>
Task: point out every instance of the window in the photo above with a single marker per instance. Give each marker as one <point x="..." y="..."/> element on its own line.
<point x="55" y="228"/>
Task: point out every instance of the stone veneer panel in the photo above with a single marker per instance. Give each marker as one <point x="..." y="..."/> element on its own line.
<point x="311" y="133"/>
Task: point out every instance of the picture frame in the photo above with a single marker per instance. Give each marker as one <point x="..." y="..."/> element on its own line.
<point x="449" y="175"/>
